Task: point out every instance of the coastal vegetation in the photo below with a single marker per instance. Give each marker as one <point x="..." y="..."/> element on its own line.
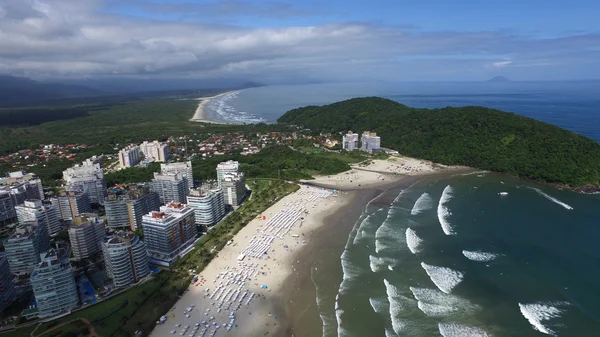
<point x="472" y="136"/>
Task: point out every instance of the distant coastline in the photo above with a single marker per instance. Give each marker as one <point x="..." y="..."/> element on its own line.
<point x="200" y="114"/>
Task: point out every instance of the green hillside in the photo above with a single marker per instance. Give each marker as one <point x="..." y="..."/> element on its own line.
<point x="473" y="136"/>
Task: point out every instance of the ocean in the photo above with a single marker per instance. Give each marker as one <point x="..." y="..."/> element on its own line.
<point x="574" y="106"/>
<point x="481" y="254"/>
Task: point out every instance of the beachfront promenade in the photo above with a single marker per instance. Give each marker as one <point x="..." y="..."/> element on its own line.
<point x="229" y="297"/>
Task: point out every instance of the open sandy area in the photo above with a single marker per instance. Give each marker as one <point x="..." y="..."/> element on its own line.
<point x="200" y="114"/>
<point x="268" y="247"/>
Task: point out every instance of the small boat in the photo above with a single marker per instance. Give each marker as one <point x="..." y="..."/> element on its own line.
<point x="503" y="193"/>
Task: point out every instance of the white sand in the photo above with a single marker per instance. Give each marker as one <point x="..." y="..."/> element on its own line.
<point x="259" y="317"/>
<point x="200" y="114"/>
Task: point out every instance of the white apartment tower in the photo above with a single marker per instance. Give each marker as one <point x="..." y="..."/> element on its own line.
<point x="130" y="156"/>
<point x="370" y="142"/>
<point x="350" y="141"/>
<point x="234" y="188"/>
<point x="182" y="168"/>
<point x="208" y="205"/>
<point x="87" y="178"/>
<point x="169" y="232"/>
<point x="85" y="235"/>
<point x="36" y="210"/>
<point x="155" y="151"/>
<point x="170" y="187"/>
<point x="226" y="168"/>
<point x="125" y="257"/>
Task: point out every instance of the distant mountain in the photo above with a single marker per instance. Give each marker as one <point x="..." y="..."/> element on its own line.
<point x="498" y="79"/>
<point x="20" y="89"/>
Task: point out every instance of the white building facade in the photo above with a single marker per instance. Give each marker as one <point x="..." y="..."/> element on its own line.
<point x="125" y="258"/>
<point x="208" y="205"/>
<point x="130" y="156"/>
<point x="184" y="169"/>
<point x="370" y="142"/>
<point x="36" y="210"/>
<point x="227" y="167"/>
<point x="350" y="141"/>
<point x="87" y="178"/>
<point x="155" y="151"/>
<point x="85" y="235"/>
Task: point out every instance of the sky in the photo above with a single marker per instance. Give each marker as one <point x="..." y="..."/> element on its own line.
<point x="279" y="41"/>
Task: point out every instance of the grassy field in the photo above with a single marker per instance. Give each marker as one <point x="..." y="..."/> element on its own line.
<point x="140" y="307"/>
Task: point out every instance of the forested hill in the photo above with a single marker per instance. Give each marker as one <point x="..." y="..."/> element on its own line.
<point x="473" y="136"/>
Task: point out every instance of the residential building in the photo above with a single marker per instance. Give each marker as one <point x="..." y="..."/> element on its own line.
<point x="53" y="283"/>
<point x="182" y="168"/>
<point x="370" y="142"/>
<point x="170" y="187"/>
<point x="31" y="183"/>
<point x="155" y="151"/>
<point x="225" y="168"/>
<point x="350" y="141"/>
<point x="208" y="205"/>
<point x="130" y="156"/>
<point x="85" y="235"/>
<point x="36" y="210"/>
<point x="169" y="232"/>
<point x="234" y="188"/>
<point x="23" y="248"/>
<point x="7" y="208"/>
<point x="87" y="178"/>
<point x="127" y="210"/>
<point x="72" y="204"/>
<point x="7" y="288"/>
<point x="125" y="258"/>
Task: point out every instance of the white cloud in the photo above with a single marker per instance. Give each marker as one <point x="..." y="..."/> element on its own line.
<point x="501" y="64"/>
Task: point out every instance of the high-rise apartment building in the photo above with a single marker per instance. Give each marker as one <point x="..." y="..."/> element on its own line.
<point x="53" y="284"/>
<point x="155" y="151"/>
<point x="72" y="204"/>
<point x="36" y="210"/>
<point x="130" y="156"/>
<point x="87" y="178"/>
<point x="370" y="142"/>
<point x="23" y="248"/>
<point x="125" y="258"/>
<point x="208" y="205"/>
<point x="127" y="210"/>
<point x="85" y="235"/>
<point x="182" y="168"/>
<point x="169" y="232"/>
<point x="234" y="188"/>
<point x="7" y="288"/>
<point x="170" y="187"/>
<point x="226" y="168"/>
<point x="350" y="141"/>
<point x="7" y="208"/>
<point x="27" y="181"/>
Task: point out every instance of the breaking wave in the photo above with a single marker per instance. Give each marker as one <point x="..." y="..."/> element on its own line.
<point x="413" y="241"/>
<point x="366" y="228"/>
<point x="422" y="204"/>
<point x="551" y="198"/>
<point x="220" y="105"/>
<point x="444" y="278"/>
<point x="377" y="263"/>
<point x="380" y="305"/>
<point x="435" y="303"/>
<point x="349" y="270"/>
<point x="460" y="330"/>
<point x="444" y="213"/>
<point x="538" y="315"/>
<point x="387" y="236"/>
<point x="479" y="256"/>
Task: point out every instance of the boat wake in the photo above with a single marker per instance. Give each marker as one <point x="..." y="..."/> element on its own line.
<point x="538" y="314"/>
<point x="413" y="241"/>
<point x="444" y="278"/>
<point x="422" y="204"/>
<point x="444" y="213"/>
<point x="460" y="330"/>
<point x="435" y="303"/>
<point x="479" y="256"/>
<point x="551" y="198"/>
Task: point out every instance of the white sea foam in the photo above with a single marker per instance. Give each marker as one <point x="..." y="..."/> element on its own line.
<point x="380" y="305"/>
<point x="328" y="320"/>
<point x="479" y="256"/>
<point x="227" y="112"/>
<point x="413" y="241"/>
<point x="422" y="204"/>
<point x="435" y="303"/>
<point x="551" y="198"/>
<point x="473" y="173"/>
<point x="397" y="302"/>
<point x="390" y="333"/>
<point x="366" y="229"/>
<point x="387" y="236"/>
<point x="376" y="263"/>
<point x="539" y="313"/>
<point x="460" y="330"/>
<point x="444" y="213"/>
<point x="349" y="270"/>
<point x="444" y="278"/>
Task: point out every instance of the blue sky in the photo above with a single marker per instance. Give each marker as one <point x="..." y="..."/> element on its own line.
<point x="279" y="41"/>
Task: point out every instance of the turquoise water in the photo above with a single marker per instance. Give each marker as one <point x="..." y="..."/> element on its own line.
<point x="453" y="257"/>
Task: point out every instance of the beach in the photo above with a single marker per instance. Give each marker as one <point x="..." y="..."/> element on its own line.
<point x="200" y="114"/>
<point x="258" y="285"/>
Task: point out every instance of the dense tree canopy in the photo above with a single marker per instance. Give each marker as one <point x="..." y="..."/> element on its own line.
<point x="474" y="136"/>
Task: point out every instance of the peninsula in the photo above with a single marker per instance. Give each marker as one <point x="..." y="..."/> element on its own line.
<point x="472" y="136"/>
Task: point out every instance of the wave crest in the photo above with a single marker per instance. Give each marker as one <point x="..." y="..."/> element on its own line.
<point x="443" y="212"/>
<point x="444" y="278"/>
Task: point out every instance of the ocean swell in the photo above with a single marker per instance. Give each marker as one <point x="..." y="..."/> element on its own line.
<point x="444" y="213"/>
<point x="444" y="278"/>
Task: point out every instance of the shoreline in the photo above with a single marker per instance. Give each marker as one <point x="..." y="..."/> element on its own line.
<point x="200" y="113"/>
